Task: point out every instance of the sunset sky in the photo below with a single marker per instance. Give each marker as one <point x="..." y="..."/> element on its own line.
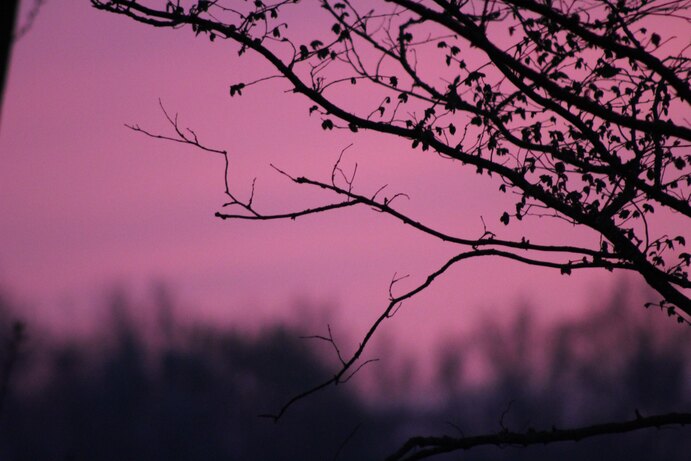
<point x="88" y="204"/>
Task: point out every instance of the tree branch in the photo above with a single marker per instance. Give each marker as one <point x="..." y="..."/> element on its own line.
<point x="417" y="448"/>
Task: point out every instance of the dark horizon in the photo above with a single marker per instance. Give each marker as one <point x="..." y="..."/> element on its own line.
<point x="196" y="391"/>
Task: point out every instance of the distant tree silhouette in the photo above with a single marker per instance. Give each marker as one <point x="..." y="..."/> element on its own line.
<point x="14" y="334"/>
<point x="577" y="107"/>
<point x="118" y="396"/>
<point x="196" y="394"/>
<point x="598" y="368"/>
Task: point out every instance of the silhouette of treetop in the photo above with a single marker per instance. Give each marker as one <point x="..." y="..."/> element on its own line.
<point x="576" y="106"/>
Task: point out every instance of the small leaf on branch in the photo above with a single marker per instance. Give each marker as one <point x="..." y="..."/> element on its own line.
<point x="505" y="218"/>
<point x="327" y="124"/>
<point x="655" y="39"/>
<point x="236" y="89"/>
<point x="607" y="71"/>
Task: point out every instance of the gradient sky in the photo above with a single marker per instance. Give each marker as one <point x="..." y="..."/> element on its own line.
<point x="87" y="204"/>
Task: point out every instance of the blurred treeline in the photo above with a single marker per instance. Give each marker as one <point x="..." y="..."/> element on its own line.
<point x="168" y="391"/>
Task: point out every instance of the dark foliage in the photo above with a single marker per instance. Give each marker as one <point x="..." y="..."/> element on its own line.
<point x="197" y="393"/>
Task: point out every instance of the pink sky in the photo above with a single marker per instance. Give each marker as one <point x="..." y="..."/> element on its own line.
<point x="87" y="203"/>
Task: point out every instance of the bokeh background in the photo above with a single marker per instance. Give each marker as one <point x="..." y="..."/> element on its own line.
<point x="152" y="325"/>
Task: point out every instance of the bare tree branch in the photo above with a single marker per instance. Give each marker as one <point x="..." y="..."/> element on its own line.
<point x="417" y="448"/>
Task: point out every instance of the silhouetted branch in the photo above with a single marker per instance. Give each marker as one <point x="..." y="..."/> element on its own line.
<point x="417" y="448"/>
<point x="182" y="137"/>
<point x="347" y="439"/>
<point x="329" y="339"/>
<point x="565" y="131"/>
<point x="290" y="215"/>
<point x="599" y="259"/>
<point x="394" y="303"/>
<point x="571" y="105"/>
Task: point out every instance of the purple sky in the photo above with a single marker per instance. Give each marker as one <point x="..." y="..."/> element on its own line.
<point x="86" y="203"/>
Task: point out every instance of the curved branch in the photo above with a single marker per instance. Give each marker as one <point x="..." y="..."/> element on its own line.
<point x="394" y="303"/>
<point x="417" y="448"/>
